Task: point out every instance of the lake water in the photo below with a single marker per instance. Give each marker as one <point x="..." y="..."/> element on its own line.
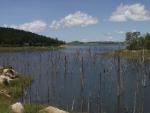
<point x="79" y="79"/>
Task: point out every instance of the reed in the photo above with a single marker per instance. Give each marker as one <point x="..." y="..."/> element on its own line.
<point x="101" y="84"/>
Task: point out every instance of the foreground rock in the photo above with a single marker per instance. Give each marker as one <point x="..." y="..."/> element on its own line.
<point x="17" y="108"/>
<point x="51" y="109"/>
<point x="7" y="75"/>
<point x="9" y="72"/>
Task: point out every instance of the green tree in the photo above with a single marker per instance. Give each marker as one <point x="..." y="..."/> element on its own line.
<point x="147" y="41"/>
<point x="132" y="40"/>
<point x="14" y="37"/>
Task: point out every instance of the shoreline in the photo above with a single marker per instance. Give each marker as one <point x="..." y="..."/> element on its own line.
<point x="28" y="48"/>
<point x="128" y="54"/>
<point x="15" y="89"/>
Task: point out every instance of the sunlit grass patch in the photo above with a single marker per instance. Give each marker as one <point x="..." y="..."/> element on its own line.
<point x="33" y="108"/>
<point x="129" y="54"/>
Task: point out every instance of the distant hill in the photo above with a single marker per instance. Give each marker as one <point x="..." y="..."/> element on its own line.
<point x="13" y="37"/>
<point x="105" y="42"/>
<point x="75" y="43"/>
<point x="93" y="43"/>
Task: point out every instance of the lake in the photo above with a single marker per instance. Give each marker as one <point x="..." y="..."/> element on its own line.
<point x="79" y="79"/>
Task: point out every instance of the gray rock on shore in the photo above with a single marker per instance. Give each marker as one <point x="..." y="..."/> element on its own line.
<point x="9" y="72"/>
<point x="7" y="75"/>
<point x="51" y="109"/>
<point x="17" y="108"/>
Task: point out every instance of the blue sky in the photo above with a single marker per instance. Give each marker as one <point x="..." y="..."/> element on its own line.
<point x="83" y="20"/>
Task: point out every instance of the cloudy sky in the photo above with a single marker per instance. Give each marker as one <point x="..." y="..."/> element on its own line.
<point x="83" y="20"/>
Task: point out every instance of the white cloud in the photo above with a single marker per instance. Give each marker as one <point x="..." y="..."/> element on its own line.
<point x="35" y="26"/>
<point x="133" y="30"/>
<point x="108" y="34"/>
<point x="76" y="19"/>
<point x="84" y="40"/>
<point x="120" y="32"/>
<point x="110" y="38"/>
<point x="134" y="12"/>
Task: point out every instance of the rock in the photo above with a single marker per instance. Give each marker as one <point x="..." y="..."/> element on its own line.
<point x="1" y="80"/>
<point x="17" y="108"/>
<point x="51" y="109"/>
<point x="9" y="73"/>
<point x="4" y="79"/>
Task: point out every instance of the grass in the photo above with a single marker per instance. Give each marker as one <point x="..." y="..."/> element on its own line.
<point x="129" y="54"/>
<point x="33" y="108"/>
<point x="14" y="89"/>
<point x="29" y="48"/>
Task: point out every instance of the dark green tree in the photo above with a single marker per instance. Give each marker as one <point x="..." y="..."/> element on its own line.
<point x="147" y="41"/>
<point x="133" y="40"/>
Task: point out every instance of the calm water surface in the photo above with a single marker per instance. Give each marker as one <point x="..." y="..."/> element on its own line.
<point x="78" y="79"/>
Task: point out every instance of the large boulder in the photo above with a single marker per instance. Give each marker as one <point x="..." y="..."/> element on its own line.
<point x="7" y="75"/>
<point x="51" y="109"/>
<point x="17" y="108"/>
<point x="9" y="72"/>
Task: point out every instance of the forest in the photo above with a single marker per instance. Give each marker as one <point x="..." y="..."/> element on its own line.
<point x="137" y="41"/>
<point x="10" y="37"/>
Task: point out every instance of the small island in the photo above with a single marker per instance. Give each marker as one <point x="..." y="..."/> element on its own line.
<point x="137" y="46"/>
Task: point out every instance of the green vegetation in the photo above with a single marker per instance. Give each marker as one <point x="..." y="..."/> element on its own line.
<point x="10" y="37"/>
<point x="33" y="108"/>
<point x="12" y="92"/>
<point x="136" y="41"/>
<point x="129" y="54"/>
<point x="137" y="47"/>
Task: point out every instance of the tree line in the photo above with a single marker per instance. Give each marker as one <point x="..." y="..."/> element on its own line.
<point x="17" y="38"/>
<point x="136" y="41"/>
